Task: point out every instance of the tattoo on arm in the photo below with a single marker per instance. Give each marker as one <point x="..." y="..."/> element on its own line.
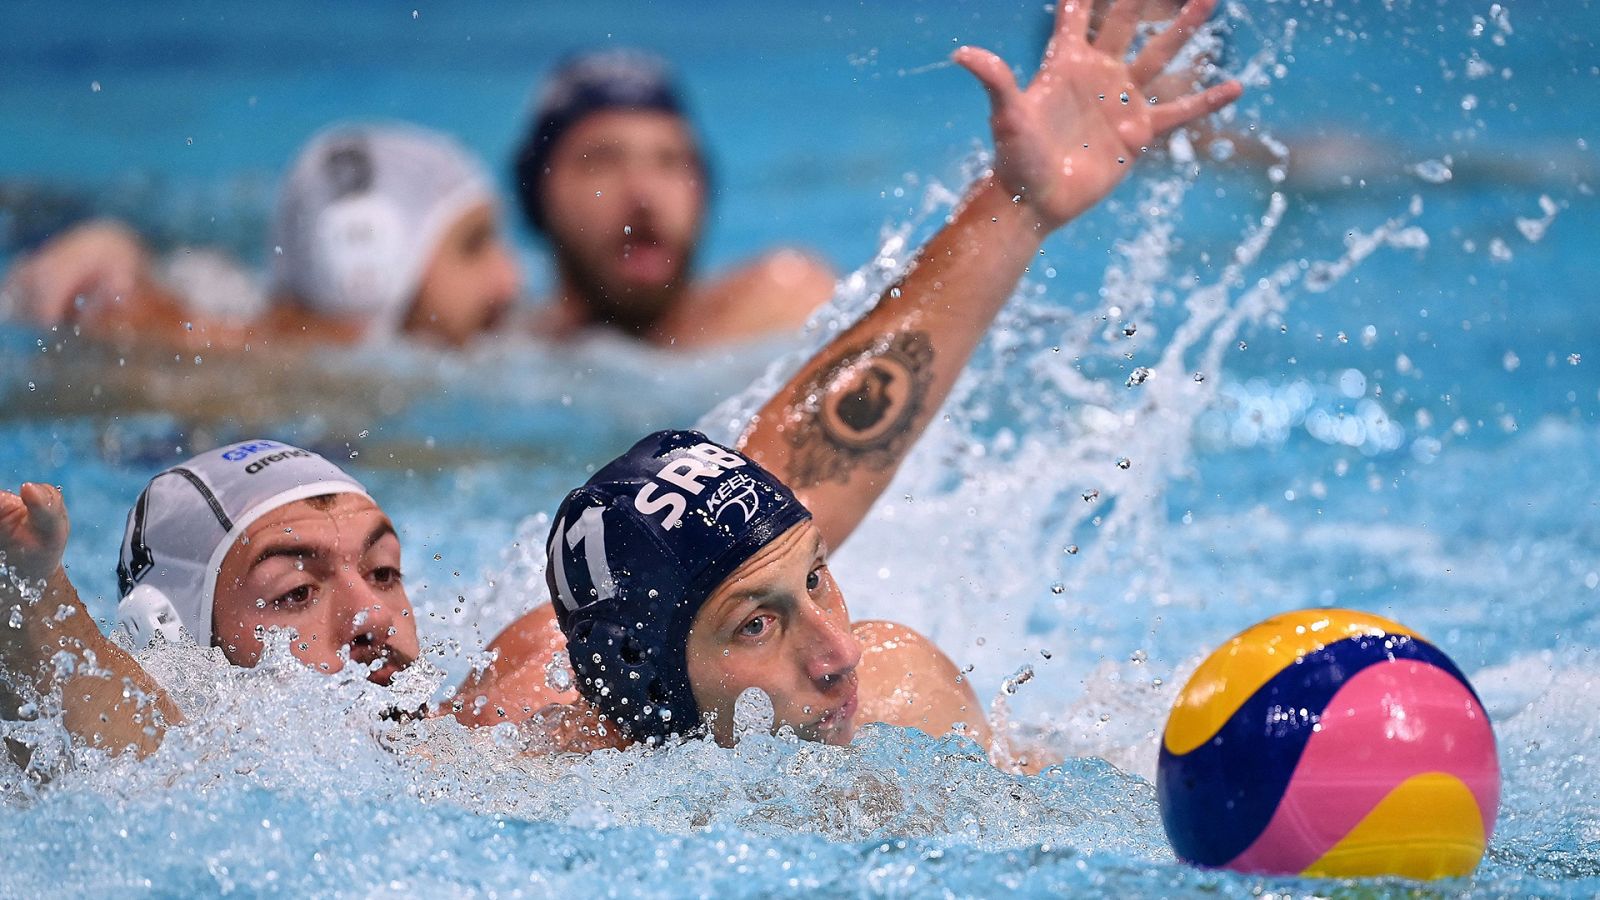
<point x="862" y="410"/>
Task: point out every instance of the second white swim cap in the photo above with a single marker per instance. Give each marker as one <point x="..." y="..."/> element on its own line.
<point x="362" y="212"/>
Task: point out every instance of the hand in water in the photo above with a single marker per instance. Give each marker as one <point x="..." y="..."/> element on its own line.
<point x="100" y="261"/>
<point x="1070" y="137"/>
<point x="33" y="531"/>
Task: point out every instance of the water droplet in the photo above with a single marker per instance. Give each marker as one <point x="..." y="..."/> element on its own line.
<point x="1058" y="588"/>
<point x="1199" y="377"/>
<point x="558" y="672"/>
<point x="1072" y="550"/>
<point x="1091" y="495"/>
<point x="753" y="712"/>
<point x="1130" y="329"/>
<point x="94" y="86"/>
<point x="1434" y="171"/>
<point x="1138" y="376"/>
<point x="1574" y="358"/>
<point x="1123" y="97"/>
<point x="1124" y="462"/>
<point x="1018" y="678"/>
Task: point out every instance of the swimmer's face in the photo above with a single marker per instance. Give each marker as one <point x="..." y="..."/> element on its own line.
<point x="623" y="207"/>
<point x="469" y="285"/>
<point x="328" y="567"/>
<point x="779" y="623"/>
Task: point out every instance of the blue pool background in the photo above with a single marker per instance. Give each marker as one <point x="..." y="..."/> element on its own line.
<point x="1464" y="504"/>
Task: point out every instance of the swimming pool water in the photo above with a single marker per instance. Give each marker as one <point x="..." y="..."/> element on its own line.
<point x="1397" y="411"/>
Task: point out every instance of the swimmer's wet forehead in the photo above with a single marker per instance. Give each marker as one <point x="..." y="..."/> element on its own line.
<point x="275" y="535"/>
<point x="613" y="135"/>
<point x="758" y="581"/>
<point x="295" y="547"/>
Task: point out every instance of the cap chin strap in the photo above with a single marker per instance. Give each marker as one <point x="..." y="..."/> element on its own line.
<point x="146" y="612"/>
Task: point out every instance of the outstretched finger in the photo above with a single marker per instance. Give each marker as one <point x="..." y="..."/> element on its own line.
<point x="992" y="72"/>
<point x="1167" y="116"/>
<point x="1164" y="46"/>
<point x="1116" y="29"/>
<point x="1072" y="19"/>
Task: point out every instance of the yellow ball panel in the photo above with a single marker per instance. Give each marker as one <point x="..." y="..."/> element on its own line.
<point x="1241" y="666"/>
<point x="1428" y="827"/>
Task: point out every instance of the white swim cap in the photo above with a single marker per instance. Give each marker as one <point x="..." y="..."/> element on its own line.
<point x="187" y="518"/>
<point x="360" y="215"/>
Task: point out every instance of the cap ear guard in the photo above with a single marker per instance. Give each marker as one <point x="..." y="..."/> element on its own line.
<point x="617" y="667"/>
<point x="635" y="671"/>
<point x="146" y="612"/>
<point x="360" y="241"/>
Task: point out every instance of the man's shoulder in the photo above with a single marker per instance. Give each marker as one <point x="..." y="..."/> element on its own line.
<point x="788" y="274"/>
<point x="906" y="680"/>
<point x="775" y="292"/>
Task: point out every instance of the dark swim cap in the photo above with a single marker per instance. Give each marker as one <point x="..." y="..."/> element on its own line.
<point x="581" y="86"/>
<point x="635" y="552"/>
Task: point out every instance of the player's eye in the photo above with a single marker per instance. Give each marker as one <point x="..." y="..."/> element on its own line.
<point x="814" y="578"/>
<point x="756" y="627"/>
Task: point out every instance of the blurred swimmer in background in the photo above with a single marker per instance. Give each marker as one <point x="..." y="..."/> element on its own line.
<point x="379" y="229"/>
<point x="390" y="229"/>
<point x="612" y="174"/>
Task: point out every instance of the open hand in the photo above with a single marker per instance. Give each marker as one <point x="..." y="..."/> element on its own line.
<point x="1068" y="139"/>
<point x="33" y="530"/>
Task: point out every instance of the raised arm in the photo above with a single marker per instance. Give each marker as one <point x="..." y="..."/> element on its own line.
<point x="841" y="427"/>
<point x="99" y="278"/>
<point x="50" y="643"/>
